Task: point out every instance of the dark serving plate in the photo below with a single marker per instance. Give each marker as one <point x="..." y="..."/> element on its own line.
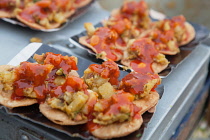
<point x="32" y="113"/>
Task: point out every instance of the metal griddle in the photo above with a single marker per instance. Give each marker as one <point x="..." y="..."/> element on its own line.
<point x="181" y="86"/>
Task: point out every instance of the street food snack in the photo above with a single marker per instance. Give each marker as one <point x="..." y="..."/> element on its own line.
<point x="110" y="107"/>
<point x="142" y="56"/>
<point x="102" y="78"/>
<point x="23" y="85"/>
<point x="69" y="103"/>
<point x="183" y="31"/>
<point x="30" y="83"/>
<point x="105" y="42"/>
<point x="164" y="41"/>
<point x="142" y="86"/>
<point x="115" y="116"/>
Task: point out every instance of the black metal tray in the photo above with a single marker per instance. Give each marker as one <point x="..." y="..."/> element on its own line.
<point x="32" y="113"/>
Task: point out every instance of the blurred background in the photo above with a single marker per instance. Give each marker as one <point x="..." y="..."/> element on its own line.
<point x="196" y="11"/>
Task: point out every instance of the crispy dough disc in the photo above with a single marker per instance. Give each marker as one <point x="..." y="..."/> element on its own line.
<point x="83" y="3"/>
<point x="118" y="129"/>
<point x="58" y="116"/>
<point x="147" y="102"/>
<point x="169" y="52"/>
<point x="6" y="100"/>
<point x="157" y="68"/>
<point x="5" y="96"/>
<point x="191" y="32"/>
<point x="4" y="14"/>
<point x="40" y="27"/>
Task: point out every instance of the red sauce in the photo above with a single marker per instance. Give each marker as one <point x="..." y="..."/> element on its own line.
<point x="132" y="8"/>
<point x="67" y="63"/>
<point x="113" y="106"/>
<point x="78" y="1"/>
<point x="107" y="69"/>
<point x="65" y="5"/>
<point x="91" y="126"/>
<point x="34" y="13"/>
<point x="178" y="21"/>
<point x="105" y="39"/>
<point x="120" y="25"/>
<point x="134" y="82"/>
<point x="161" y="39"/>
<point x="30" y="75"/>
<point x="72" y="84"/>
<point x="145" y="51"/>
<point x="42" y="9"/>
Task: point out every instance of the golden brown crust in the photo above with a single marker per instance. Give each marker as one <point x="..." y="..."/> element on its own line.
<point x="157" y="67"/>
<point x="147" y="102"/>
<point x="57" y="116"/>
<point x="118" y="129"/>
<point x="5" y="96"/>
<point x="169" y="52"/>
<point x="8" y="102"/>
<point x="83" y="3"/>
<point x="191" y="32"/>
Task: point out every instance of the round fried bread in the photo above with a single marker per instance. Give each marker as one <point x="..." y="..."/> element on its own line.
<point x="5" y="96"/>
<point x="147" y="102"/>
<point x="60" y="117"/>
<point x="117" y="129"/>
<point x="57" y="116"/>
<point x="190" y="32"/>
<point x="170" y="52"/>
